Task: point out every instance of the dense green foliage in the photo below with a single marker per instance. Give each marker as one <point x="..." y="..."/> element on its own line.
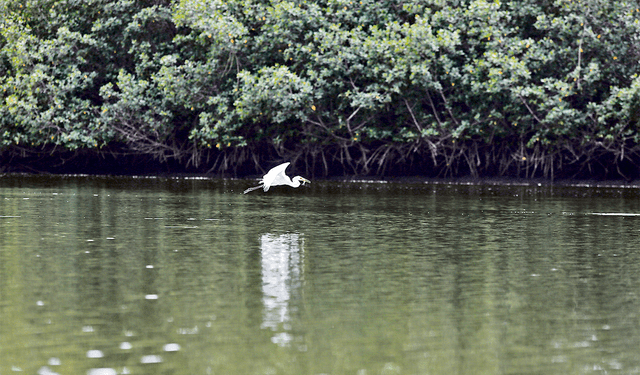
<point x="479" y="87"/>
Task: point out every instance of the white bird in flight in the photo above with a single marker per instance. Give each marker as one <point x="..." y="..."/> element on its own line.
<point x="276" y="176"/>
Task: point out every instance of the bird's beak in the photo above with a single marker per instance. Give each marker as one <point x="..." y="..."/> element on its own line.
<point x="304" y="180"/>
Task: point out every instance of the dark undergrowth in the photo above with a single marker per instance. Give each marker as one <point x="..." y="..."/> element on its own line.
<point x="469" y="161"/>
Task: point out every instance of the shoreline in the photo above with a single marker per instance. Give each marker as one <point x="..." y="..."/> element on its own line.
<point x="419" y="180"/>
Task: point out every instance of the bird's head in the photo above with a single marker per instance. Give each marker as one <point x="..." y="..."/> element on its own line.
<point x="298" y="180"/>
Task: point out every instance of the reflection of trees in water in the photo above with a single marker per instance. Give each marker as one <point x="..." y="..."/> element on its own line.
<point x="281" y="275"/>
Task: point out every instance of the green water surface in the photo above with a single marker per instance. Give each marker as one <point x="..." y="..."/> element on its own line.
<point x="173" y="276"/>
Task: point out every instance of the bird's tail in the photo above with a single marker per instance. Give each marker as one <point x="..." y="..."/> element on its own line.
<point x="252" y="189"/>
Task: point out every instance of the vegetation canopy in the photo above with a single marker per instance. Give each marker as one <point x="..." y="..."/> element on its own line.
<point x="443" y="88"/>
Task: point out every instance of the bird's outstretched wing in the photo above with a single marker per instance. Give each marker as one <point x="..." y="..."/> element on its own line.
<point x="276" y="176"/>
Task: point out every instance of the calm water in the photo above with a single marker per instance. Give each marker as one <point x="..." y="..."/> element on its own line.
<point x="156" y="276"/>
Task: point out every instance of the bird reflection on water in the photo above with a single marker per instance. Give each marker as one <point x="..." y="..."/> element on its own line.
<point x="282" y="258"/>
